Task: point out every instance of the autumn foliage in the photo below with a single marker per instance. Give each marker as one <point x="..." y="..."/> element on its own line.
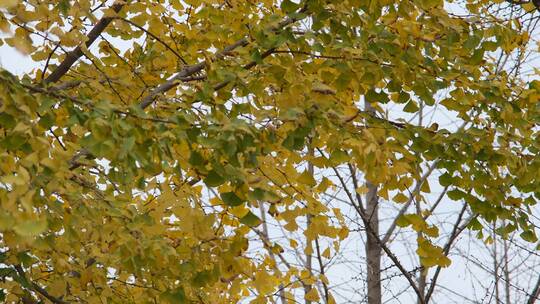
<point x="157" y="144"/>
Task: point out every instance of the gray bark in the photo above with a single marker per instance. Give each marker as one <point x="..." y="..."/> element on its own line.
<point x="373" y="248"/>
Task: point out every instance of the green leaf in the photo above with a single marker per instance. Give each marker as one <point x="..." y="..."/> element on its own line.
<point x="231" y="199"/>
<point x="63" y="6"/>
<point x="6" y="272"/>
<point x="411" y="107"/>
<point x="206" y="277"/>
<point x="475" y="225"/>
<point x="127" y="146"/>
<point x="250" y="219"/>
<point x="30" y="227"/>
<point x="338" y="157"/>
<point x="213" y="179"/>
<point x="455" y="194"/>
<point x="403" y="97"/>
<point x="529" y="236"/>
<point x="7" y="121"/>
<point x="25" y="259"/>
<point x="402" y="222"/>
<point x="46" y="120"/>
<point x="288" y="6"/>
<point x="196" y="159"/>
<point x="375" y="97"/>
<point x="307" y="178"/>
<point x="445" y="179"/>
<point x="177" y="296"/>
<point x="257" y="194"/>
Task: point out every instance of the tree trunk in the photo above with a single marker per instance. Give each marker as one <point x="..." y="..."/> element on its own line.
<point x="309" y="257"/>
<point x="506" y="273"/>
<point x="373" y="248"/>
<point x="496" y="266"/>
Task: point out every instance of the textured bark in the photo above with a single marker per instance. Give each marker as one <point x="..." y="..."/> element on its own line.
<point x="373" y="248"/>
<point x="421" y="285"/>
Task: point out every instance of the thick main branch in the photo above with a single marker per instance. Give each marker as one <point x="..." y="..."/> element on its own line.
<point x="75" y="54"/>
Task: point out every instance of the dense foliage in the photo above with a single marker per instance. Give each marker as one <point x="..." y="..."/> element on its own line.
<point x="136" y="161"/>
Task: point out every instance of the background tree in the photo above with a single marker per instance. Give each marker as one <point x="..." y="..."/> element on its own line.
<point x="240" y="151"/>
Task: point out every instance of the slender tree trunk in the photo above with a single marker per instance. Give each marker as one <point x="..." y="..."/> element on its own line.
<point x="373" y="248"/>
<point x="272" y="256"/>
<point x="506" y="273"/>
<point x="309" y="256"/>
<point x="496" y="266"/>
<point x="423" y="274"/>
<point x="309" y="264"/>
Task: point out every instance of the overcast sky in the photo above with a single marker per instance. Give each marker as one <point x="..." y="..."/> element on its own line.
<point x="14" y="61"/>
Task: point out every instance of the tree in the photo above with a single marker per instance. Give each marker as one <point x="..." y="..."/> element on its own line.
<point x="162" y="146"/>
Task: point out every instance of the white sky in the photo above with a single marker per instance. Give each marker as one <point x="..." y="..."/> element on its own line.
<point x="15" y="62"/>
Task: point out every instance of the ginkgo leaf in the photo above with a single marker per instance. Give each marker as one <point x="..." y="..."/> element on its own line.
<point x="8" y="3"/>
<point x="231" y="199"/>
<point x="307" y="178"/>
<point x="250" y="219"/>
<point x="411" y="107"/>
<point x="213" y="179"/>
<point x="174" y="296"/>
<point x="400" y="198"/>
<point x="312" y="295"/>
<point x="30" y="227"/>
<point x="529" y="236"/>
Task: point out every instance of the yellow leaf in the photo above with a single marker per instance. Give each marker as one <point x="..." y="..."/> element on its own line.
<point x="343" y="233"/>
<point x="239" y="211"/>
<point x="529" y="6"/>
<point x="8" y="3"/>
<point x="307" y="178"/>
<point x="326" y="253"/>
<point x="293" y="243"/>
<point x="362" y="190"/>
<point x="30" y="227"/>
<point x="425" y="187"/>
<point x="400" y="198"/>
<point x="312" y="295"/>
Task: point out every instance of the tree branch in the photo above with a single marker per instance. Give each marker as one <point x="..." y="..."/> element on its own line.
<point x="362" y="213"/>
<point x="189" y="70"/>
<point x="35" y="287"/>
<point x="455" y="233"/>
<point x="409" y="201"/>
<point x="535" y="293"/>
<point x="75" y="54"/>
